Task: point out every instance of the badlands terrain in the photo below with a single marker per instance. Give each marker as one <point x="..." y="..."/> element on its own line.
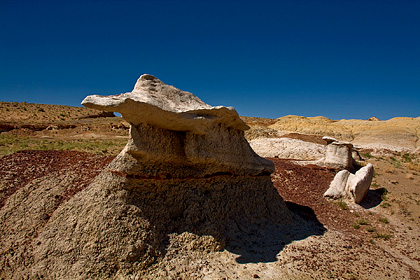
<point x="49" y="153"/>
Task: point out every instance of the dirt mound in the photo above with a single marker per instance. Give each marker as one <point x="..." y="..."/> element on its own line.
<point x="33" y="185"/>
<point x="116" y="229"/>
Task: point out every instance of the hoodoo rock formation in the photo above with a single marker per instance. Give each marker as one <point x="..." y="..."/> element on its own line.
<point x="175" y="127"/>
<point x="338" y="154"/>
<point x="186" y="177"/>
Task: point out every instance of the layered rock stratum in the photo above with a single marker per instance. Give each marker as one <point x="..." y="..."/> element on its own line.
<point x="186" y="175"/>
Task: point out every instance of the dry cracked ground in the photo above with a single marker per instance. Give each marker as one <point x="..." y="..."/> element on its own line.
<point x="379" y="239"/>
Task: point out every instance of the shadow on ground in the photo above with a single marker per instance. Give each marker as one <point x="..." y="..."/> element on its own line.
<point x="373" y="198"/>
<point x="244" y="215"/>
<point x="255" y="245"/>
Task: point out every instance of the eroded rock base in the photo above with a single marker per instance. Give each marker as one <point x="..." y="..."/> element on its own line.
<point x="121" y="224"/>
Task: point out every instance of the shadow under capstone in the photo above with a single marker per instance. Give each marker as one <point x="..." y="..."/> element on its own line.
<point x="244" y="215"/>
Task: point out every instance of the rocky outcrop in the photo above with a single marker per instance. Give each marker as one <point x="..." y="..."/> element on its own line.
<point x="374" y="119"/>
<point x="186" y="168"/>
<point x="338" y="154"/>
<point x="288" y="148"/>
<point x="351" y="186"/>
<point x="173" y="131"/>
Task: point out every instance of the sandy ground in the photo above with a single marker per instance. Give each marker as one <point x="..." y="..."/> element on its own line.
<point x="327" y="244"/>
<point x="324" y="243"/>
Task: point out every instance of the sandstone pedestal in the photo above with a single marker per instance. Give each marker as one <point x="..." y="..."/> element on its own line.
<point x="186" y="168"/>
<point x="338" y="154"/>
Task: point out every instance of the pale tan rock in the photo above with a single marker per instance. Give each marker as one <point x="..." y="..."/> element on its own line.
<point x="186" y="175"/>
<point x="338" y="154"/>
<point x="312" y="126"/>
<point x="288" y="148"/>
<point x="170" y="125"/>
<point x="165" y="106"/>
<point x="359" y="184"/>
<point x="351" y="186"/>
<point x="337" y="187"/>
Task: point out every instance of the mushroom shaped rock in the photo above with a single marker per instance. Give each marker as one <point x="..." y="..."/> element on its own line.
<point x="186" y="174"/>
<point x="338" y="154"/>
<point x="153" y="102"/>
<point x="170" y="125"/>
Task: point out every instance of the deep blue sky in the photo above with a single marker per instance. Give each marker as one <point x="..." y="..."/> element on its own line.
<point x="340" y="59"/>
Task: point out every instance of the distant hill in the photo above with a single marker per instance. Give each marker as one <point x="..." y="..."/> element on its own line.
<point x="15" y="112"/>
<point x="38" y="120"/>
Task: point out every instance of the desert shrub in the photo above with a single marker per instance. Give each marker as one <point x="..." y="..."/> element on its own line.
<point x="342" y="205"/>
<point x="395" y="162"/>
<point x="384" y="220"/>
<point x="363" y="222"/>
<point x="384" y="194"/>
<point x="384" y="236"/>
<point x="385" y="205"/>
<point x="407" y="157"/>
<point x="371" y="229"/>
<point x="366" y="155"/>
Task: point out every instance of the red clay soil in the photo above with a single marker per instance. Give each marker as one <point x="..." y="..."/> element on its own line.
<point x="307" y="138"/>
<point x="19" y="169"/>
<point x="304" y="186"/>
<point x="301" y="186"/>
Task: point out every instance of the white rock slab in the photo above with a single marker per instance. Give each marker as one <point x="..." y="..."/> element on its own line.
<point x="351" y="186"/>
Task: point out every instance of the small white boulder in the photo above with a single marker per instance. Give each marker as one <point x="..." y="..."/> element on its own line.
<point x="351" y="186"/>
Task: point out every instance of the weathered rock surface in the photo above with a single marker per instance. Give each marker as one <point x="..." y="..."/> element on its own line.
<point x="186" y="170"/>
<point x="338" y="154"/>
<point x="170" y="125"/>
<point x="288" y="148"/>
<point x="165" y="106"/>
<point x="351" y="186"/>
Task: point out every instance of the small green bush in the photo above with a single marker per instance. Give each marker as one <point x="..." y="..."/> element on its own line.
<point x="371" y="229"/>
<point x="395" y="162"/>
<point x="407" y="158"/>
<point x="384" y="220"/>
<point x="384" y="236"/>
<point x="363" y="222"/>
<point x="342" y="205"/>
<point x="366" y="155"/>
<point x="385" y="205"/>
